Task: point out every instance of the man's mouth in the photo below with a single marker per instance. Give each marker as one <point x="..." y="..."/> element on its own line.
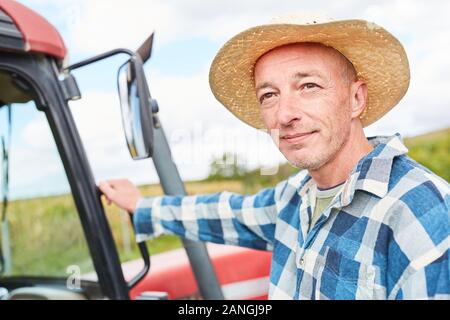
<point x="297" y="137"/>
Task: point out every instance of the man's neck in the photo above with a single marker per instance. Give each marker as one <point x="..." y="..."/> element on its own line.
<point x="338" y="170"/>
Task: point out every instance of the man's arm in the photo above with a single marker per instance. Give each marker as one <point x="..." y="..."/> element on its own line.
<point x="224" y="217"/>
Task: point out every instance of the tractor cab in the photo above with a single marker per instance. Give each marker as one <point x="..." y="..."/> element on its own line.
<point x="36" y="85"/>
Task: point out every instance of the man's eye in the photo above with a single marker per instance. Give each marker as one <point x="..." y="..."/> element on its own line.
<point x="266" y="96"/>
<point x="310" y="85"/>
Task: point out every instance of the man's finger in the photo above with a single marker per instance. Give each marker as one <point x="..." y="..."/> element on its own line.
<point x="113" y="183"/>
<point x="108" y="201"/>
<point x="107" y="190"/>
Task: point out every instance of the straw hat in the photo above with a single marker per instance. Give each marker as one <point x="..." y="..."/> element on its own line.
<point x="378" y="57"/>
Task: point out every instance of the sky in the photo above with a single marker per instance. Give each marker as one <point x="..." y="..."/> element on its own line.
<point x="188" y="33"/>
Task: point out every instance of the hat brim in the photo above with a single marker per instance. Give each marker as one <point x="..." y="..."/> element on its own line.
<point x="378" y="57"/>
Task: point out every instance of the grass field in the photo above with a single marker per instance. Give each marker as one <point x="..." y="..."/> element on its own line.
<point x="433" y="151"/>
<point x="46" y="234"/>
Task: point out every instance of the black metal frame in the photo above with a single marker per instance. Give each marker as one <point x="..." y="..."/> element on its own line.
<point x="41" y="72"/>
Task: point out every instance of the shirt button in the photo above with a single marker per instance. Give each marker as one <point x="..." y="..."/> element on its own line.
<point x="302" y="261"/>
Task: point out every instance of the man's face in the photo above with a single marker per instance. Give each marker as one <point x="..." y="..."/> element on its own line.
<point x="304" y="92"/>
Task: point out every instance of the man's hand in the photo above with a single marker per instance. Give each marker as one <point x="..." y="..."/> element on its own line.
<point x="122" y="193"/>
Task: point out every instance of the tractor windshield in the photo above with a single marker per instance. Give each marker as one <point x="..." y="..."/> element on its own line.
<point x="41" y="234"/>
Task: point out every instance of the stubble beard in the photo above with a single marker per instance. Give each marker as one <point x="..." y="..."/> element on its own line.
<point x="316" y="161"/>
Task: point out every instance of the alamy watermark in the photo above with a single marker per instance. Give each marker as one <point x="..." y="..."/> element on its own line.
<point x="227" y="147"/>
<point x="73" y="281"/>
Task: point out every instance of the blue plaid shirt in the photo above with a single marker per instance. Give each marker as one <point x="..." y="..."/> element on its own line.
<point x="384" y="236"/>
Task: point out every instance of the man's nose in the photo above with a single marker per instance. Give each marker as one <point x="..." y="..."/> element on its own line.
<point x="288" y="109"/>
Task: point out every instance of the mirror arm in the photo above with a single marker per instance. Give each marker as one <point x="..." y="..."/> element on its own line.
<point x="99" y="57"/>
<point x="145" y="256"/>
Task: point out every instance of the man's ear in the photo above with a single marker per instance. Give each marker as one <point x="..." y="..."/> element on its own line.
<point x="358" y="98"/>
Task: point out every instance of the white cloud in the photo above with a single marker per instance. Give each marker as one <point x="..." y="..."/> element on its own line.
<point x="185" y="100"/>
<point x="98" y="119"/>
<point x="34" y="159"/>
<point x="420" y="25"/>
<point x="103" y="24"/>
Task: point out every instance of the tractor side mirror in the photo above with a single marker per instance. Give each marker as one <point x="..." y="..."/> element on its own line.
<point x="136" y="108"/>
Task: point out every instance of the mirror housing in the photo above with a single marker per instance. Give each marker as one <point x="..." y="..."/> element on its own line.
<point x="136" y="108"/>
<point x="135" y="99"/>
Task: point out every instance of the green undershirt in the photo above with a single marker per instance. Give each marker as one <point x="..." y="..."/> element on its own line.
<point x="323" y="199"/>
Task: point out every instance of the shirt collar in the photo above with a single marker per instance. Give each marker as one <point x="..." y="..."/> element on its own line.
<point x="372" y="172"/>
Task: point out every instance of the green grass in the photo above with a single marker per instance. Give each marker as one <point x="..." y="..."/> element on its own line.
<point x="46" y="234"/>
<point x="433" y="151"/>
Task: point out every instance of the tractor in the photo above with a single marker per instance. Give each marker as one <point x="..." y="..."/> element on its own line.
<point x="36" y="78"/>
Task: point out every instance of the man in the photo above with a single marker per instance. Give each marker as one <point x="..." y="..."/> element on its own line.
<point x="363" y="221"/>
